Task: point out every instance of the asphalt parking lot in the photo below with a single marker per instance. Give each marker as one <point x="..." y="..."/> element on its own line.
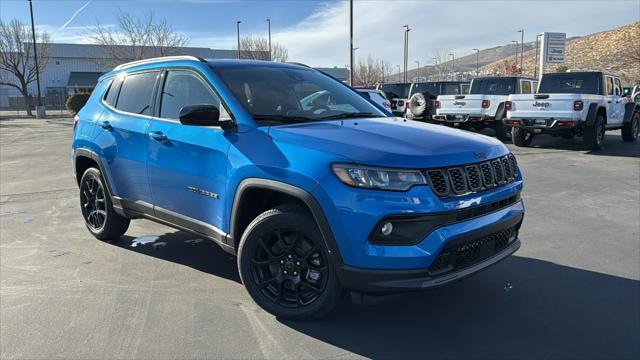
<point x="571" y="291"/>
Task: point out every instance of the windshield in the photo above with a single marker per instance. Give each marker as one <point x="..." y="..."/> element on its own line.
<point x="493" y="86"/>
<point x="570" y="83"/>
<point x="395" y="91"/>
<point x="286" y="94"/>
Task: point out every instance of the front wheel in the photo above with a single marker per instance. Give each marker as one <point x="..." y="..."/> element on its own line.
<point x="521" y="137"/>
<point x="97" y="210"/>
<point x="631" y="129"/>
<point x="285" y="267"/>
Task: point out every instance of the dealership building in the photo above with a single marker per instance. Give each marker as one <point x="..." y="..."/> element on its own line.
<point x="75" y="68"/>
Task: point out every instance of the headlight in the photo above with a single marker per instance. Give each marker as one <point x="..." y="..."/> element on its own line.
<point x="378" y="178"/>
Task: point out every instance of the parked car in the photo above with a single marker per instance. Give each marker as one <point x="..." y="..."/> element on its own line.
<point x="377" y="96"/>
<point x="484" y="106"/>
<point x="314" y="193"/>
<point x="398" y="95"/>
<point x="423" y="95"/>
<point x="572" y="104"/>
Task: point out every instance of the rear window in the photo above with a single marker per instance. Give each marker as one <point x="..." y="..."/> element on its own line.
<point x="135" y="93"/>
<point x="493" y="86"/>
<point x="450" y="89"/>
<point x="570" y="83"/>
<point x="400" y="91"/>
<point x="431" y="88"/>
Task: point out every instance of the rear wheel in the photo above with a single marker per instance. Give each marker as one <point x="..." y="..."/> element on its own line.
<point x="97" y="209"/>
<point x="594" y="135"/>
<point x="502" y="131"/>
<point x="521" y="137"/>
<point x="285" y="267"/>
<point x="631" y="129"/>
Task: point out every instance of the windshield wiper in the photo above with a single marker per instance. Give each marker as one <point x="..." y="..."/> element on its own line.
<point x="282" y="118"/>
<point x="352" y="115"/>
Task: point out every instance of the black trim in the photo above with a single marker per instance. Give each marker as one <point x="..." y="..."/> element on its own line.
<point x="370" y="281"/>
<point x="302" y="195"/>
<point x="86" y="153"/>
<point x="424" y="224"/>
<point x="593" y="112"/>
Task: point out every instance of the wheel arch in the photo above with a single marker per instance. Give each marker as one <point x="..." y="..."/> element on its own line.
<point x="82" y="160"/>
<point x="595" y="110"/>
<point x="254" y="196"/>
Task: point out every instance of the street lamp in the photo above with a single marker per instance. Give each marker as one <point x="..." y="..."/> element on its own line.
<point x="406" y="50"/>
<point x="453" y="64"/>
<point x="535" y="65"/>
<point x="418" y="68"/>
<point x="35" y="59"/>
<point x="521" y="49"/>
<point x="516" y="42"/>
<point x="238" y="31"/>
<point x="269" y="21"/>
<point x="353" y="70"/>
<point x="351" y="41"/>
<point x="477" y="61"/>
<point x="399" y="72"/>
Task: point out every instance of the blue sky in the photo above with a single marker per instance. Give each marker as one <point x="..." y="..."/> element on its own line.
<point x="316" y="32"/>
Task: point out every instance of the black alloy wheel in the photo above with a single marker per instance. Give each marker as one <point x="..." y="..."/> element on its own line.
<point x="93" y="203"/>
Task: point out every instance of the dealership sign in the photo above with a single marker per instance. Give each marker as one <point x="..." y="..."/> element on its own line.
<point x="554" y="47"/>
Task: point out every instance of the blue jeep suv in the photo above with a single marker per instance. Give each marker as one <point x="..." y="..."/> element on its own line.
<point x="314" y="188"/>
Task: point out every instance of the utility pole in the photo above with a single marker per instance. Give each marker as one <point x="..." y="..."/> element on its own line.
<point x="238" y="31"/>
<point x="521" y="49"/>
<point x="516" y="42"/>
<point x="535" y="64"/>
<point x="453" y="65"/>
<point x="477" y="61"/>
<point x="353" y="71"/>
<point x="35" y="60"/>
<point x="406" y="50"/>
<point x="269" y="21"/>
<point x="351" y="42"/>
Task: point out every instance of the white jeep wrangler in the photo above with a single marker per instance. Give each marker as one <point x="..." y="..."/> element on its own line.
<point x="484" y="106"/>
<point x="574" y="104"/>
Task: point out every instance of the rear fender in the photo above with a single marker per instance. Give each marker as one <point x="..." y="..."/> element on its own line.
<point x="593" y="112"/>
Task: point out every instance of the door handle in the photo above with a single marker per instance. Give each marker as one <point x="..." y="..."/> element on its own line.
<point x="609" y="101"/>
<point x="158" y="136"/>
<point x="106" y="125"/>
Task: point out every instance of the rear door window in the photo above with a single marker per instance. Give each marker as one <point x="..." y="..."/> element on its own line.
<point x="609" y="85"/>
<point x="525" y="87"/>
<point x="618" y="87"/>
<point x="135" y="93"/>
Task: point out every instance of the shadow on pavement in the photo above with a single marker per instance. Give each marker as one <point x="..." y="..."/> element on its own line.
<point x="520" y="308"/>
<point x="184" y="248"/>
<point x="613" y="145"/>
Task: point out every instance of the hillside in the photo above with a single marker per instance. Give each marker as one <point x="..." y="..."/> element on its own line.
<point x="616" y="50"/>
<point x="610" y="50"/>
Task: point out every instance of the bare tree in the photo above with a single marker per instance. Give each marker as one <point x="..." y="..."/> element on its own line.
<point x="136" y="39"/>
<point x="257" y="48"/>
<point x="370" y="72"/>
<point x="17" y="68"/>
<point x="507" y="68"/>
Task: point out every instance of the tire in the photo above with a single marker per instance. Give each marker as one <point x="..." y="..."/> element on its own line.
<point x="594" y="135"/>
<point x="521" y="137"/>
<point x="419" y="104"/>
<point x="285" y="267"/>
<point x="97" y="209"/>
<point x="631" y="129"/>
<point x="502" y="131"/>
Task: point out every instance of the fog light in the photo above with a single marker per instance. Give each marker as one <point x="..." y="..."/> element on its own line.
<point x="387" y="229"/>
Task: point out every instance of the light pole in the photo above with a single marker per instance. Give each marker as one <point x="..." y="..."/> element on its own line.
<point x="477" y="61"/>
<point x="269" y="21"/>
<point x="521" y="48"/>
<point x="516" y="42"/>
<point x="435" y="64"/>
<point x="399" y="72"/>
<point x="418" y="68"/>
<point x="353" y="70"/>
<point x="351" y="42"/>
<point x="453" y="65"/>
<point x="35" y="58"/>
<point x="535" y="65"/>
<point x="238" y="32"/>
<point x="406" y="50"/>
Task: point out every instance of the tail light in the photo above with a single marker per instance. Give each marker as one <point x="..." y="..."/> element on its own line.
<point x="436" y="104"/>
<point x="485" y="104"/>
<point x="75" y="122"/>
<point x="566" y="123"/>
<point x="512" y="122"/>
<point x="578" y="105"/>
<point x="408" y="104"/>
<point x="508" y="105"/>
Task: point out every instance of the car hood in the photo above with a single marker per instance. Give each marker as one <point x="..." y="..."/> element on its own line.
<point x="393" y="142"/>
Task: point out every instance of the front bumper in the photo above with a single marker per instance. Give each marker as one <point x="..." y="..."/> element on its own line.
<point x="470" y="256"/>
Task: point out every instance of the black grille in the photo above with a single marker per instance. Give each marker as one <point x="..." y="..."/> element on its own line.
<point x="461" y="254"/>
<point x="473" y="178"/>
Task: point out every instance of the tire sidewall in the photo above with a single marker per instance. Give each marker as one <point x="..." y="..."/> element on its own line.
<point x="97" y="176"/>
<point x="271" y="220"/>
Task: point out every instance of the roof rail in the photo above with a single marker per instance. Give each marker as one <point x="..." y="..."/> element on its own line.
<point x="158" y="59"/>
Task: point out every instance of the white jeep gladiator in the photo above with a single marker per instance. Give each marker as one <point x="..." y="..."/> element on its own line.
<point x="574" y="104"/>
<point x="484" y="106"/>
<point x="398" y="95"/>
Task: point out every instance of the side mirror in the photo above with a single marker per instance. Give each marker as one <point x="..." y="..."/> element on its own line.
<point x="202" y="115"/>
